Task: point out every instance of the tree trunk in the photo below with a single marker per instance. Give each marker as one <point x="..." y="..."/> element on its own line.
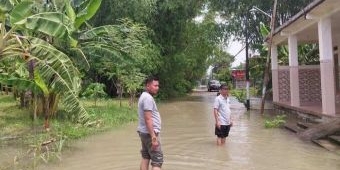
<point x="6" y="89"/>
<point x="15" y="93"/>
<point x="321" y="130"/>
<point x="46" y="111"/>
<point x="35" y="107"/>
<point x="267" y="66"/>
<point x="53" y="105"/>
<point x="22" y="99"/>
<point x="120" y="97"/>
<point x="132" y="99"/>
<point x="119" y="88"/>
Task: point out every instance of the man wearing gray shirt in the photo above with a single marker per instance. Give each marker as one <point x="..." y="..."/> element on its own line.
<point x="149" y="126"/>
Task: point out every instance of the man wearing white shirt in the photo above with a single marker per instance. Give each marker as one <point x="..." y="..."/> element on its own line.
<point x="222" y="115"/>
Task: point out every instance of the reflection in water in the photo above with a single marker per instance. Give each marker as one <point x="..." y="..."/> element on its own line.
<point x="189" y="144"/>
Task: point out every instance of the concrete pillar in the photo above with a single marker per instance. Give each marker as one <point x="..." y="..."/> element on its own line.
<point x="293" y="71"/>
<point x="275" y="73"/>
<point x="326" y="66"/>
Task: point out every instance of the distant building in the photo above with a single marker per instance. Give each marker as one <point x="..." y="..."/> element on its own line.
<point x="238" y="77"/>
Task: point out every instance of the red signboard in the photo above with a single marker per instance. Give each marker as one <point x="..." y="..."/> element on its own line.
<point x="238" y="74"/>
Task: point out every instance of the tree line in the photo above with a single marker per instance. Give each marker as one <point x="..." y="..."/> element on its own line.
<point x="51" y="50"/>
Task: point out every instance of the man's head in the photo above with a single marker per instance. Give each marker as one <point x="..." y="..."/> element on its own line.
<point x="224" y="89"/>
<point x="152" y="85"/>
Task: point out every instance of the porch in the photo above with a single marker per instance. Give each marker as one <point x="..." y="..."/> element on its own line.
<point x="309" y="111"/>
<point x="309" y="90"/>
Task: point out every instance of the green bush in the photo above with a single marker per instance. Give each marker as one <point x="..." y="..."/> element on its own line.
<point x="240" y="95"/>
<point x="277" y="121"/>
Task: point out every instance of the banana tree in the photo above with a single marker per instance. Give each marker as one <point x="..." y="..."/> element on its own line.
<point x="56" y="69"/>
<point x="36" y="86"/>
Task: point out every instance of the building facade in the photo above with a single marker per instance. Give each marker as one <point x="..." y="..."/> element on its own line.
<point x="310" y="88"/>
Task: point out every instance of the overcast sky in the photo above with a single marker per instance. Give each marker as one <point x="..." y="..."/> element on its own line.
<point x="233" y="48"/>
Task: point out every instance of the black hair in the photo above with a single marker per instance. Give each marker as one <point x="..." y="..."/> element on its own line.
<point x="150" y="79"/>
<point x="224" y="86"/>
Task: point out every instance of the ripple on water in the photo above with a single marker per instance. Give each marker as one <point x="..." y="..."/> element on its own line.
<point x="188" y="143"/>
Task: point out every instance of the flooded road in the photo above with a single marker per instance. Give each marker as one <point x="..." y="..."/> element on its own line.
<point x="189" y="144"/>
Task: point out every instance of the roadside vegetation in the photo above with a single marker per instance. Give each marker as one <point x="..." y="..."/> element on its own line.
<point x="275" y="122"/>
<point x="241" y="94"/>
<point x="108" y="113"/>
<point x="19" y="130"/>
<point x="60" y="58"/>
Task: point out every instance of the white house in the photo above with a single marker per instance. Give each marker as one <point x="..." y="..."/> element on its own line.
<point x="313" y="89"/>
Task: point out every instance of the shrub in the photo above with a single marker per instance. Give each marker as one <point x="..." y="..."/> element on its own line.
<point x="277" y="121"/>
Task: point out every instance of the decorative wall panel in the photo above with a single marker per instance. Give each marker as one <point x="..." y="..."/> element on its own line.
<point x="284" y="85"/>
<point x="309" y="86"/>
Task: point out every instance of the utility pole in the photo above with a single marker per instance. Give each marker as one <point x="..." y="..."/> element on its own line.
<point x="267" y="69"/>
<point x="247" y="64"/>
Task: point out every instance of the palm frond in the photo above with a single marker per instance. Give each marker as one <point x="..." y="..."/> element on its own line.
<point x="60" y="73"/>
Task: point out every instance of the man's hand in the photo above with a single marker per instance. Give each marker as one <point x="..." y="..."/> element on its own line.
<point x="154" y="143"/>
<point x="218" y="125"/>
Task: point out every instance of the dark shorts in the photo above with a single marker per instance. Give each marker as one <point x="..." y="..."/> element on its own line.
<point x="156" y="156"/>
<point x="223" y="132"/>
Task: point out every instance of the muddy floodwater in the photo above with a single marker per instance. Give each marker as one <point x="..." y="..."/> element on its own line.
<point x="189" y="144"/>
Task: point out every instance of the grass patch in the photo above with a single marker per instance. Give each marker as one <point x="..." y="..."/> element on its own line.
<point x="17" y="128"/>
<point x="106" y="115"/>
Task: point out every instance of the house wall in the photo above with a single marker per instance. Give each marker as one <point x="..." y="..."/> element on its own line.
<point x="309" y="84"/>
<point x="284" y="84"/>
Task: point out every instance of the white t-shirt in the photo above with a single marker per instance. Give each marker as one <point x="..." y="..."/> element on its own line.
<point x="147" y="103"/>
<point x="223" y="107"/>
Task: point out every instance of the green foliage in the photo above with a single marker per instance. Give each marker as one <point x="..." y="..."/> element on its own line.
<point x="15" y="122"/>
<point x="121" y="52"/>
<point x="54" y="70"/>
<point x="133" y="83"/>
<point x="221" y="62"/>
<point x="183" y="44"/>
<point x="187" y="46"/>
<point x="86" y="12"/>
<point x="240" y="94"/>
<point x="111" y="11"/>
<point x="95" y="91"/>
<point x="20" y="11"/>
<point x="277" y="121"/>
<point x="5" y="6"/>
<point x="241" y="21"/>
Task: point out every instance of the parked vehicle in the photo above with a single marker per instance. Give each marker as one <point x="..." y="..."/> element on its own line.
<point x="213" y="85"/>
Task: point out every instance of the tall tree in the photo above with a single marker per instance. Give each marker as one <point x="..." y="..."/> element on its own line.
<point x="184" y="44"/>
<point x="240" y="18"/>
<point x="112" y="11"/>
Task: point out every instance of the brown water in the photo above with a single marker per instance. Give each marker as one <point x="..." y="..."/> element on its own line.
<point x="189" y="144"/>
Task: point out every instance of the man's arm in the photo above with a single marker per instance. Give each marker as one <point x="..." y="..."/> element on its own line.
<point x="149" y="126"/>
<point x="217" y="121"/>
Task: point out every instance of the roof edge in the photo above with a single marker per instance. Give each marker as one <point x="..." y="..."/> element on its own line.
<point x="303" y="12"/>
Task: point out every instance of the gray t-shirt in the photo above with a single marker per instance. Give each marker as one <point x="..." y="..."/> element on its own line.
<point x="147" y="103"/>
<point x="223" y="107"/>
